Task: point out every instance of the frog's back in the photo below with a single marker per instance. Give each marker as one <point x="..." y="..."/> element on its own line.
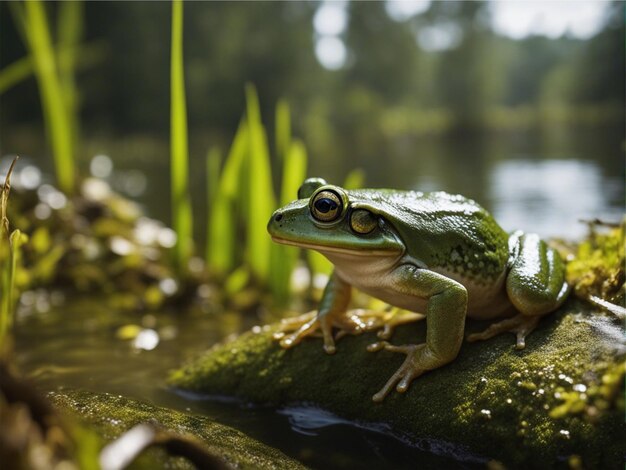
<point x="443" y="230"/>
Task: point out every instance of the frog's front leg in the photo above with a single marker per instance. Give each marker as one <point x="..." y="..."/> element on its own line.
<point x="331" y="313"/>
<point x="445" y="321"/>
<point x="535" y="286"/>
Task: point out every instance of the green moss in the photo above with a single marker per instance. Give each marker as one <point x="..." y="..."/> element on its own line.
<point x="112" y="415"/>
<point x="493" y="400"/>
<point x="598" y="267"/>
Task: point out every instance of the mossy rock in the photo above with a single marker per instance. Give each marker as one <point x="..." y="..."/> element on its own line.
<point x="560" y="398"/>
<point x="112" y="415"/>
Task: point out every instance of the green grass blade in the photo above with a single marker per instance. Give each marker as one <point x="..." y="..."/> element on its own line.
<point x="261" y="201"/>
<point x="15" y="73"/>
<point x="221" y="231"/>
<point x="34" y="26"/>
<point x="69" y="33"/>
<point x="283" y="129"/>
<point x="221" y="237"/>
<point x="230" y="178"/>
<point x="284" y="258"/>
<point x="294" y="172"/>
<point x="181" y="201"/>
<point x="213" y="163"/>
<point x="18" y="71"/>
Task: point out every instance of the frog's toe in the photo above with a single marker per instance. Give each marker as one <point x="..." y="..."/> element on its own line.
<point x="362" y="320"/>
<point x="327" y="333"/>
<point x="359" y="321"/>
<point x="521" y="325"/>
<point x="290" y="340"/>
<point x="410" y="369"/>
<point x="293" y="324"/>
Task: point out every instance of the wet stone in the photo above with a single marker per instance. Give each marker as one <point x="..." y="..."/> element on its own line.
<point x="474" y="404"/>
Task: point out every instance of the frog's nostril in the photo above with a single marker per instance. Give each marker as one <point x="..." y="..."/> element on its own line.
<point x="278" y="217"/>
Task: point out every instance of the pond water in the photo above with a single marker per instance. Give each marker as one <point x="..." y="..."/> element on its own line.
<point x="537" y="182"/>
<point x="543" y="183"/>
<point x="78" y="346"/>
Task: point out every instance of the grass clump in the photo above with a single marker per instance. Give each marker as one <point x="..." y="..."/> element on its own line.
<point x="243" y="199"/>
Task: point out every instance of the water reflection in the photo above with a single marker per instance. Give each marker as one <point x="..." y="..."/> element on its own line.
<point x="589" y="160"/>
<point x="551" y="196"/>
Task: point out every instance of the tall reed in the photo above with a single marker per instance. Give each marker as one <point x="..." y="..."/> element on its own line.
<point x="282" y="129"/>
<point x="222" y="219"/>
<point x="70" y="31"/>
<point x="261" y="199"/>
<point x="179" y="155"/>
<point x="30" y="17"/>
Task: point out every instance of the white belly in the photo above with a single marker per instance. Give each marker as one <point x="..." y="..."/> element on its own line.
<point x="373" y="275"/>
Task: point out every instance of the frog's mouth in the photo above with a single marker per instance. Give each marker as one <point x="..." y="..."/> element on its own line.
<point x="364" y="251"/>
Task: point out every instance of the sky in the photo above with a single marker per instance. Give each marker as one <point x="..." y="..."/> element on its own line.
<point x="513" y="18"/>
<point x="518" y="19"/>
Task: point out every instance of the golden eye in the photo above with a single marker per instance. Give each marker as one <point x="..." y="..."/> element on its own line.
<point x="362" y="221"/>
<point x="326" y="206"/>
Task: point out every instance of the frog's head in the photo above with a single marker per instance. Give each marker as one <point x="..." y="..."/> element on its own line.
<point x="324" y="218"/>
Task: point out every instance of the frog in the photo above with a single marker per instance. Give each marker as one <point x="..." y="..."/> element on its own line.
<point x="431" y="255"/>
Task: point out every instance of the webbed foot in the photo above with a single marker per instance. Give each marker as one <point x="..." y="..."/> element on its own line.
<point x="521" y="325"/>
<point x="294" y="330"/>
<point x="386" y="320"/>
<point x="418" y="360"/>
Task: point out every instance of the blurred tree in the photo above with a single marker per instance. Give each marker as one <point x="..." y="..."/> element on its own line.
<point x="227" y="45"/>
<point x="531" y="61"/>
<point x="272" y="45"/>
<point x="384" y="57"/>
<point x="600" y="69"/>
<point x="267" y="43"/>
<point x="471" y="75"/>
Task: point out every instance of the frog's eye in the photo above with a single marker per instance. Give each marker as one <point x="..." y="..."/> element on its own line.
<point x="362" y="221"/>
<point x="327" y="206"/>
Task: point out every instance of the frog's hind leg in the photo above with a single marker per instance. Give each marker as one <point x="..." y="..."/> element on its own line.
<point x="535" y="286"/>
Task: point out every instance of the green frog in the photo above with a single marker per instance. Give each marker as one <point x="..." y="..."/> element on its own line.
<point x="434" y="254"/>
